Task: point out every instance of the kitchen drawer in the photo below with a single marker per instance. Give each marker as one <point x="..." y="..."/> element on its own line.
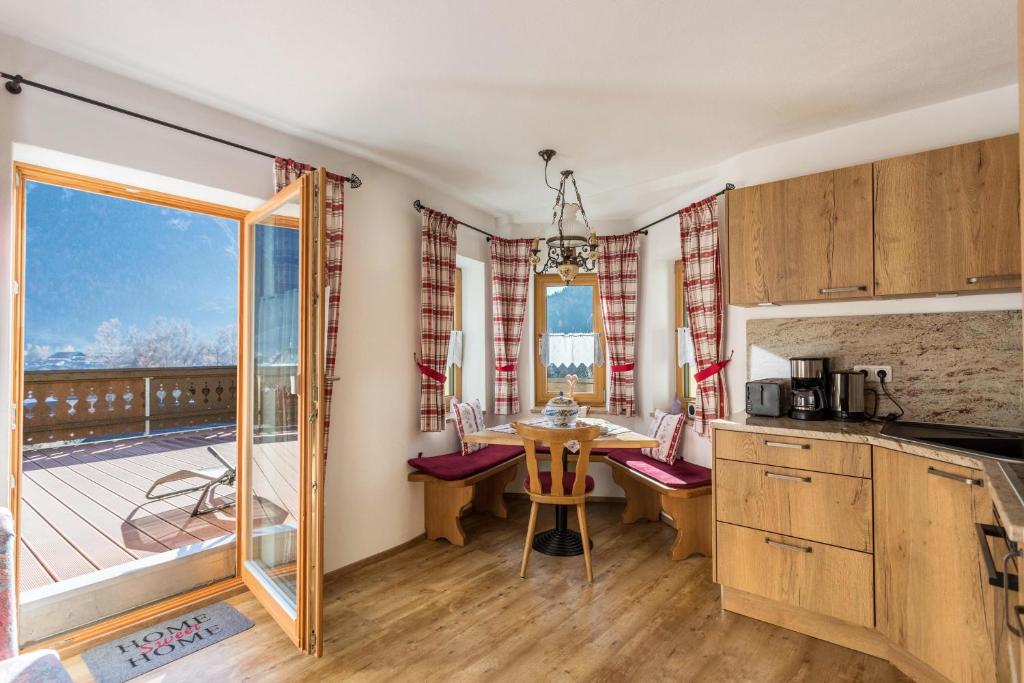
<point x="828" y="508"/>
<point x="837" y="457"/>
<point x="820" y="578"/>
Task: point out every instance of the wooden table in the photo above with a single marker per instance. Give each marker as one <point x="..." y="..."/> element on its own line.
<point x="561" y="540"/>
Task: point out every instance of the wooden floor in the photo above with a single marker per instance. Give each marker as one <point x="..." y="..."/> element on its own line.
<point x="435" y="612"/>
<point x="83" y="507"/>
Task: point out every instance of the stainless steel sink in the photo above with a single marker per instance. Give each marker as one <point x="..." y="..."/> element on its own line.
<point x="993" y="443"/>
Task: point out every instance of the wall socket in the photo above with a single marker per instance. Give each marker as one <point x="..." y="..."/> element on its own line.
<point x="873" y="372"/>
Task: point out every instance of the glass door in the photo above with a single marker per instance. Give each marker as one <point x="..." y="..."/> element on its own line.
<point x="280" y="427"/>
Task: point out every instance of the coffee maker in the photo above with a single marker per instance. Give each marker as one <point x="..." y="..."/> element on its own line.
<point x="809" y="395"/>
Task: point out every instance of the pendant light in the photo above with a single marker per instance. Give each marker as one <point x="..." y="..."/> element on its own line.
<point x="574" y="248"/>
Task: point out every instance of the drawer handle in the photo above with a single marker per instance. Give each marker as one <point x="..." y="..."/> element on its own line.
<point x="955" y="477"/>
<point x="838" y="290"/>
<point x="780" y="444"/>
<point x="995" y="577"/>
<point x="1008" y="581"/>
<point x="975" y="279"/>
<point x="787" y="477"/>
<point x="787" y="546"/>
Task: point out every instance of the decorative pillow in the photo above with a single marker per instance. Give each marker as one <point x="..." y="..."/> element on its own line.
<point x="469" y="418"/>
<point x="667" y="430"/>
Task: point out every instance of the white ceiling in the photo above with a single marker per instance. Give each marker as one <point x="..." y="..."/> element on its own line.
<point x="639" y="97"/>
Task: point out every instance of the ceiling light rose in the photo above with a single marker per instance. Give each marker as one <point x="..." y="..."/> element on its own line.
<point x="574" y="248"/>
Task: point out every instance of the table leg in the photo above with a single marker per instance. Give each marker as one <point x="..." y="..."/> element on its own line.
<point x="560" y="541"/>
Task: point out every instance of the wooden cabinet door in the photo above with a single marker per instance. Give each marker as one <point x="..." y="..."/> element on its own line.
<point x="757" y="253"/>
<point x="827" y="223"/>
<point x="946" y="220"/>
<point x="930" y="595"/>
<point x="802" y="239"/>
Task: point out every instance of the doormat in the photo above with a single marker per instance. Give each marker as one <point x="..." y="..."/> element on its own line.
<point x="164" y="642"/>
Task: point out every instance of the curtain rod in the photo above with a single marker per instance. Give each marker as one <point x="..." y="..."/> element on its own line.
<point x="643" y="230"/>
<point x="15" y="82"/>
<point x="419" y="206"/>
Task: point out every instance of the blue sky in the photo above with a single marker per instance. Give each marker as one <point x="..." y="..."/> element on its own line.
<point x="90" y="258"/>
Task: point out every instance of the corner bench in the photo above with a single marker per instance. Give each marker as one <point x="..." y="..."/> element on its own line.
<point x="682" y="490"/>
<point x="452" y="483"/>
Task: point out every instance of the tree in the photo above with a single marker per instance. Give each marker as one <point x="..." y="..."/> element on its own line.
<point x="167" y="342"/>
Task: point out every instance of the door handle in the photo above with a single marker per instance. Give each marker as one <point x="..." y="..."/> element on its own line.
<point x="787" y="477"/>
<point x="780" y="444"/>
<point x="787" y="546"/>
<point x="955" y="477"/>
<point x="838" y="290"/>
<point x="975" y="279"/>
<point x="1009" y="582"/>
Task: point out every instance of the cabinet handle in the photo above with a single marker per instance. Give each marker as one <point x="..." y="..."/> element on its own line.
<point x="787" y="546"/>
<point x="787" y="477"/>
<point x="780" y="444"/>
<point x="975" y="279"/>
<point x="838" y="290"/>
<point x="995" y="578"/>
<point x="955" y="477"/>
<point x="1009" y="579"/>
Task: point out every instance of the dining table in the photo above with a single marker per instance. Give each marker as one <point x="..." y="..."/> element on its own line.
<point x="561" y="540"/>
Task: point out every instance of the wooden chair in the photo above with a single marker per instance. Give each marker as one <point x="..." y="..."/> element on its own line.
<point x="550" y="487"/>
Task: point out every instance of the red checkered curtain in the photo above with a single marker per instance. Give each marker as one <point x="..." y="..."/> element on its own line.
<point x="437" y="311"/>
<point x="617" y="280"/>
<point x="285" y="172"/>
<point x="702" y="276"/>
<point x="510" y="278"/>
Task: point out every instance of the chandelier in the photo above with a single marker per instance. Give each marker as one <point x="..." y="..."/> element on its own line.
<point x="574" y="248"/>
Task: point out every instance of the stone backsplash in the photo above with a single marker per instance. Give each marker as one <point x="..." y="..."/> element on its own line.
<point x="958" y="368"/>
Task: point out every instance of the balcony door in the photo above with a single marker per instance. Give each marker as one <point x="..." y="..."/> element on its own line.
<point x="280" y="427"/>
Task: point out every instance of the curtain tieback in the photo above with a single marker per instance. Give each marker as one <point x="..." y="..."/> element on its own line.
<point x="713" y="369"/>
<point x="625" y="367"/>
<point x="432" y="374"/>
<point x="506" y="368"/>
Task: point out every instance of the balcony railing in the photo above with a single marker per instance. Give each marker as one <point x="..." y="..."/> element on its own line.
<point x="83" y="404"/>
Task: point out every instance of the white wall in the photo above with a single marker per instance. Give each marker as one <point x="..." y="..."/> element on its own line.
<point x="370" y="506"/>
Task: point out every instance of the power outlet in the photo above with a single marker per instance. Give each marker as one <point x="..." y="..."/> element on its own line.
<point x="872" y="371"/>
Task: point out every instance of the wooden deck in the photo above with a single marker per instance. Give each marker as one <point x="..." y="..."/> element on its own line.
<point x="83" y="507"/>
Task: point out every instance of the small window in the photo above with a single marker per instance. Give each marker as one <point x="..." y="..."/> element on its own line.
<point x="453" y="383"/>
<point x="570" y="316"/>
<point x="686" y="385"/>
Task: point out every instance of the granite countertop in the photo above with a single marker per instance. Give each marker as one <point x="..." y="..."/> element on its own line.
<point x="1005" y="480"/>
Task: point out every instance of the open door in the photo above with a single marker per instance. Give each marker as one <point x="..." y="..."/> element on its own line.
<point x="280" y="427"/>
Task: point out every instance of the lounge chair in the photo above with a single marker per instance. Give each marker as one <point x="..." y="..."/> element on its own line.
<point x="214" y="476"/>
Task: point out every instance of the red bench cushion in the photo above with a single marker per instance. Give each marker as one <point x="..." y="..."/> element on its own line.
<point x="678" y="475"/>
<point x="453" y="466"/>
<point x="568" y="480"/>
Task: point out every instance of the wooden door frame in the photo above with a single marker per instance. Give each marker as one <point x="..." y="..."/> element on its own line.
<point x="82" y="638"/>
<point x="304" y="628"/>
<point x="599" y="397"/>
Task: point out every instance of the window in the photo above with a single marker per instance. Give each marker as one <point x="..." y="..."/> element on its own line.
<point x="570" y="317"/>
<point x="686" y="385"/>
<point x="453" y="384"/>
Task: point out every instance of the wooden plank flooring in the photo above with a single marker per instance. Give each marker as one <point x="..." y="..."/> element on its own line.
<point x="83" y="507"/>
<point x="435" y="612"/>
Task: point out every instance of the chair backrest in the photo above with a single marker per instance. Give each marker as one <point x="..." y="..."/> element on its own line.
<point x="556" y="440"/>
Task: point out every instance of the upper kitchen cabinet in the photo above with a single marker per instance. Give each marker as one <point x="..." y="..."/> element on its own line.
<point x="802" y="239"/>
<point x="947" y="221"/>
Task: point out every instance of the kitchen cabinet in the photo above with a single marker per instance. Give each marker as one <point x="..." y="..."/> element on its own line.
<point x="802" y="239"/>
<point x="947" y="220"/>
<point x="930" y="598"/>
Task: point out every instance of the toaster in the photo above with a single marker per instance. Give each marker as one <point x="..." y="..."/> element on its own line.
<point x="768" y="397"/>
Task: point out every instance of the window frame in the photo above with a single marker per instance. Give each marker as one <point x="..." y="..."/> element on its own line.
<point x="686" y="385"/>
<point x="456" y="370"/>
<point x="597" y="398"/>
